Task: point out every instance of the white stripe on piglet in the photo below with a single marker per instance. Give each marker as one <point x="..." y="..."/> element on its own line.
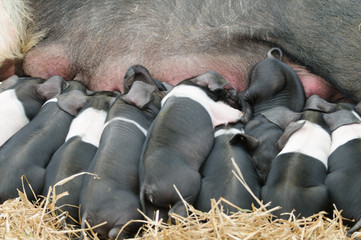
<point x="219" y="112"/>
<point x="231" y="131"/>
<point x="54" y="99"/>
<point x="88" y="125"/>
<point x="144" y="131"/>
<point x="12" y="115"/>
<point x="344" y="134"/>
<point x="311" y="140"/>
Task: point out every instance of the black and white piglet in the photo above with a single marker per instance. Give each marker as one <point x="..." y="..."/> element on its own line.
<point x="113" y="196"/>
<point x="218" y="180"/>
<point x="80" y="146"/>
<point x="180" y="139"/>
<point x="344" y="163"/>
<point x="297" y="174"/>
<point x="29" y="151"/>
<point x="272" y="84"/>
<point x="21" y="99"/>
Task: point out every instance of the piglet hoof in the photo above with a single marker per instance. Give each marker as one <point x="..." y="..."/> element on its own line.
<point x="246" y="108"/>
<point x="355" y="228"/>
<point x="178" y="209"/>
<point x="114" y="233"/>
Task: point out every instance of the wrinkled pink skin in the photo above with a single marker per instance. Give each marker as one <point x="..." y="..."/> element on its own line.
<point x="173" y="72"/>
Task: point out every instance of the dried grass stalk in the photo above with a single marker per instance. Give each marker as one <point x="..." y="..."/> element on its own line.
<point x="22" y="219"/>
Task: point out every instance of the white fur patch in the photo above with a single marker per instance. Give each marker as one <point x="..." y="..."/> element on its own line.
<point x="144" y="131"/>
<point x="12" y="115"/>
<point x="231" y="131"/>
<point x="219" y="112"/>
<point x="88" y="125"/>
<point x="344" y="134"/>
<point x="54" y="99"/>
<point x="311" y="140"/>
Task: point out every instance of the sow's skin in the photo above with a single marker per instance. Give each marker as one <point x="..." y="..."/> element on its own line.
<point x="29" y="151"/>
<point x="218" y="179"/>
<point x="272" y="84"/>
<point x="188" y="38"/>
<point x="80" y="146"/>
<point x="344" y="165"/>
<point x="297" y="174"/>
<point x="180" y="139"/>
<point x="21" y="99"/>
<point x="113" y="194"/>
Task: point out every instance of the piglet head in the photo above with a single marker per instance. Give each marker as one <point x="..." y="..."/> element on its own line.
<point x="72" y="102"/>
<point x="210" y="80"/>
<point x="340" y="118"/>
<point x="316" y="103"/>
<point x="33" y="92"/>
<point x="140" y="73"/>
<point x="50" y="88"/>
<point x="281" y="116"/>
<point x="8" y="83"/>
<point x="215" y="86"/>
<point x="144" y="96"/>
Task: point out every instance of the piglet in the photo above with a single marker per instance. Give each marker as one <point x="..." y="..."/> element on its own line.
<point x="21" y="100"/>
<point x="218" y="179"/>
<point x="297" y="174"/>
<point x="113" y="195"/>
<point x="29" y="151"/>
<point x="180" y="139"/>
<point x="75" y="155"/>
<point x="272" y="84"/>
<point x="344" y="163"/>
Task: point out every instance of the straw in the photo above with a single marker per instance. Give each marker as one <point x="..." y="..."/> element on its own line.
<point x="41" y="219"/>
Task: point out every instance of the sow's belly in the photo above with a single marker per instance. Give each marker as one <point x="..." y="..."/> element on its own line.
<point x="96" y="42"/>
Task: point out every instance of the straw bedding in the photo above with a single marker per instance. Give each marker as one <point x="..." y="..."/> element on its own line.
<point x="22" y="219"/>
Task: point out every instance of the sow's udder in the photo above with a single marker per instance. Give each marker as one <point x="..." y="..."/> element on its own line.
<point x="234" y="64"/>
<point x="96" y="42"/>
<point x="172" y="69"/>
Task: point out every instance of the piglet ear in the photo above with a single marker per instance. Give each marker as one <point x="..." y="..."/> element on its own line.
<point x="292" y="128"/>
<point x="358" y="108"/>
<point x="251" y="143"/>
<point x="72" y="102"/>
<point x="315" y="102"/>
<point x="140" y="73"/>
<point x="139" y="95"/>
<point x="8" y="83"/>
<point x="281" y="116"/>
<point x="211" y="79"/>
<point x="340" y="118"/>
<point x="50" y="88"/>
<point x="167" y="86"/>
